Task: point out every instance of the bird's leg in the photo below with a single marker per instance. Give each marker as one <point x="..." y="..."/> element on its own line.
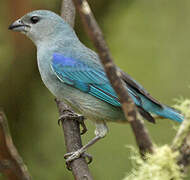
<point x="70" y="115"/>
<point x="100" y="132"/>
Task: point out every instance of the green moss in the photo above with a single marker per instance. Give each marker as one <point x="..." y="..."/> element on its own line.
<point x="159" y="166"/>
<point x="182" y="105"/>
<point x="162" y="164"/>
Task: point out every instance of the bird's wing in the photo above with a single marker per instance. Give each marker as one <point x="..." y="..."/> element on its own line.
<point x="80" y="75"/>
<point x="92" y="79"/>
<point x="137" y="88"/>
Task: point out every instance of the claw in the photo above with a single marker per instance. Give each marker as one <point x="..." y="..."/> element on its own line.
<point x="68" y="154"/>
<point x="81" y="119"/>
<point x="72" y="116"/>
<point x="84" y="129"/>
<point x="59" y="121"/>
<point x="75" y="155"/>
<point x="68" y="165"/>
<point x="65" y="117"/>
<point x="88" y="156"/>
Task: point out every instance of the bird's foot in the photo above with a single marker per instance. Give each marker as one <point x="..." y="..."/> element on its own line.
<point x="75" y="155"/>
<point x="68" y="115"/>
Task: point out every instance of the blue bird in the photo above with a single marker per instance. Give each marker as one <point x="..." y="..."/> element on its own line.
<point x="73" y="72"/>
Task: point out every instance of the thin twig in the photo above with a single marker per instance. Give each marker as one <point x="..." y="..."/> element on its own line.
<point x="71" y="125"/>
<point x="11" y="163"/>
<point x="142" y="138"/>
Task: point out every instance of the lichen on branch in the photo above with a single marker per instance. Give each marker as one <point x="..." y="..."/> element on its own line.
<point x="162" y="165"/>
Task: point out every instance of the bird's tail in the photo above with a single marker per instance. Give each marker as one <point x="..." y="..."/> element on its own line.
<point x="170" y="113"/>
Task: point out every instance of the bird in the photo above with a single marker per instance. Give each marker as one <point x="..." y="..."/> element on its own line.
<point x="74" y="73"/>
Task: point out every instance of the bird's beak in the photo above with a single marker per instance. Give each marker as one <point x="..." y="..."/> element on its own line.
<point x="19" y="26"/>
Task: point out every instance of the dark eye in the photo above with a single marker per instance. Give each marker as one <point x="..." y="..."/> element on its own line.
<point x="34" y="19"/>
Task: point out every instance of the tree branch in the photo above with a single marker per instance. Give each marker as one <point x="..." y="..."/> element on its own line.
<point x="181" y="143"/>
<point x="73" y="141"/>
<point x="11" y="163"/>
<point x="71" y="125"/>
<point x="68" y="12"/>
<point x="94" y="32"/>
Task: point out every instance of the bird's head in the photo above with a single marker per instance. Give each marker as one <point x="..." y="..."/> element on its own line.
<point x="40" y="25"/>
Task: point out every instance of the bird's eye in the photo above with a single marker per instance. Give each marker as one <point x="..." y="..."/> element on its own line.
<point x="34" y="19"/>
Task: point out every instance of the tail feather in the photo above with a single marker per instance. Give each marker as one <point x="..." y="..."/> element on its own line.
<point x="170" y="113"/>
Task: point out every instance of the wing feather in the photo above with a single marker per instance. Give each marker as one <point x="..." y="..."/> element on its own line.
<point x="88" y="79"/>
<point x="93" y="80"/>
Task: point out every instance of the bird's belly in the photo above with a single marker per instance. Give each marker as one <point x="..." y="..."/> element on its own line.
<point x="84" y="103"/>
<point x="88" y="105"/>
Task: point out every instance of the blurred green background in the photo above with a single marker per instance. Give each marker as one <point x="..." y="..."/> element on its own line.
<point x="148" y="39"/>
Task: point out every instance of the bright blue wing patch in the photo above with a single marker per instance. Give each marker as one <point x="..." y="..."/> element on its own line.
<point x="81" y="76"/>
